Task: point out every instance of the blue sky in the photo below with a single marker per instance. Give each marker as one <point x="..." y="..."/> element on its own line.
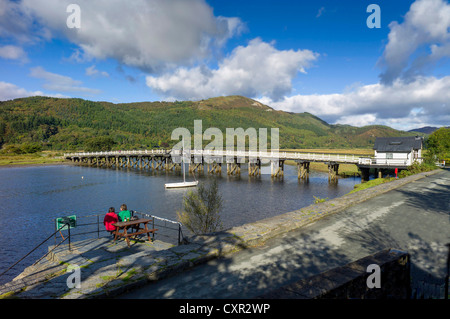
<point x="298" y="56"/>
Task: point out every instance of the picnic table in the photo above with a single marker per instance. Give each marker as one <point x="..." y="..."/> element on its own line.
<point x="135" y="227"/>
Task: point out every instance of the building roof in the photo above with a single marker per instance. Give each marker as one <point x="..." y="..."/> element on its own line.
<point x="398" y="144"/>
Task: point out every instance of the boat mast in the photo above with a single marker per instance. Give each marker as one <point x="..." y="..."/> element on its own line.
<point x="184" y="178"/>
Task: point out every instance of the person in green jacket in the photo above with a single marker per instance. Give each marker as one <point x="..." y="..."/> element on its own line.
<point x="124" y="213"/>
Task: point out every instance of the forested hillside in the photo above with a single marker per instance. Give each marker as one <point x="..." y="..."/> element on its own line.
<point x="76" y="124"/>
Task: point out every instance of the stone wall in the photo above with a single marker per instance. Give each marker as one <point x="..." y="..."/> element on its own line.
<point x="350" y="281"/>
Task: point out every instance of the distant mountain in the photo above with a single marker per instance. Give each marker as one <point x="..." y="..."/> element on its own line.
<point x="426" y="129"/>
<point x="70" y="124"/>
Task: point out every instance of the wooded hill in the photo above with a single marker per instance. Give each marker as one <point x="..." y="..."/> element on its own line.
<point x="77" y="124"/>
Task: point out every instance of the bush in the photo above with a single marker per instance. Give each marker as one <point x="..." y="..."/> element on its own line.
<point x="201" y="209"/>
<point x="27" y="148"/>
<point x="416" y="168"/>
<point x="12" y="149"/>
<point x="30" y="148"/>
<point x="100" y="144"/>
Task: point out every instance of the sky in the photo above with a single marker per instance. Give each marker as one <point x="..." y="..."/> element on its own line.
<point x="347" y="62"/>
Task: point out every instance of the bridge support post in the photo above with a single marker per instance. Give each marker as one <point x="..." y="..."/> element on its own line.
<point x="303" y="169"/>
<point x="233" y="167"/>
<point x="254" y="167"/>
<point x="158" y="163"/>
<point x="277" y="168"/>
<point x="333" y="169"/>
<point x="139" y="161"/>
<point x="195" y="166"/>
<point x="365" y="174"/>
<point x="214" y="168"/>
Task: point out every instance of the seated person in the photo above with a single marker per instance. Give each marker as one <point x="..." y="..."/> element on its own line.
<point x="124" y="213"/>
<point x="110" y="218"/>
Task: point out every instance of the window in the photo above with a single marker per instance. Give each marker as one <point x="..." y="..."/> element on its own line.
<point x="389" y="156"/>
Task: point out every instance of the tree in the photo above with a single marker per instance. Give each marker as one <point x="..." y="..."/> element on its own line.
<point x="101" y="143"/>
<point x="438" y="143"/>
<point x="201" y="209"/>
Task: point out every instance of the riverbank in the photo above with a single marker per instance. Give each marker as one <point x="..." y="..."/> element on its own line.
<point x="35" y="159"/>
<point x="125" y="269"/>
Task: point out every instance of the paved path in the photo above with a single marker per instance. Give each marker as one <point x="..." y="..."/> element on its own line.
<point x="414" y="218"/>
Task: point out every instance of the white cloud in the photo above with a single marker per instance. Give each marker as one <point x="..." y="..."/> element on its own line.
<point x="60" y="83"/>
<point x="14" y="21"/>
<point x="320" y="12"/>
<point x="254" y="70"/>
<point x="424" y="101"/>
<point x="9" y="91"/>
<point x="416" y="45"/>
<point x="150" y="35"/>
<point x="92" y="71"/>
<point x="12" y="52"/>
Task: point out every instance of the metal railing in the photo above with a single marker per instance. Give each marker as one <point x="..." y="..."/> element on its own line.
<point x="159" y="222"/>
<point x="388" y="161"/>
<point x="93" y="225"/>
<point x="42" y="243"/>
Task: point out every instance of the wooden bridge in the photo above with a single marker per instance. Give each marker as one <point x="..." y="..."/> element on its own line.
<point x="213" y="160"/>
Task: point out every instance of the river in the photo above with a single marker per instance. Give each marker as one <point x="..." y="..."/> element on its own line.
<point x="32" y="197"/>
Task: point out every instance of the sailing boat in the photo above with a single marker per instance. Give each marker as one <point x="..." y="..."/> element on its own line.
<point x="184" y="183"/>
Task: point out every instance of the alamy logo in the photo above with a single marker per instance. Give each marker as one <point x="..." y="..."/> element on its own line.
<point x="374" y="280"/>
<point x="374" y="20"/>
<point x="245" y="144"/>
<point x="74" y="280"/>
<point x="74" y="19"/>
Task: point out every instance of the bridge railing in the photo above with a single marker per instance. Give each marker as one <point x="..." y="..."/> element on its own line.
<point x="387" y="161"/>
<point x="274" y="155"/>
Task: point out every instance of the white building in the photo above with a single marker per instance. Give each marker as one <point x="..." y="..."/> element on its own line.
<point x="398" y="151"/>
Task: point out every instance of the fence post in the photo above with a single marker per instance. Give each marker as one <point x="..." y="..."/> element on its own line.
<point x="68" y="228"/>
<point x="98" y="227"/>
<point x="153" y="227"/>
<point x="448" y="272"/>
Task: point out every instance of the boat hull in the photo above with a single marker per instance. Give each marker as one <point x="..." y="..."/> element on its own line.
<point x="181" y="185"/>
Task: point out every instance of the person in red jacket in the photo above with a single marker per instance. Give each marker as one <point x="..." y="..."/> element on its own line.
<point x="110" y="219"/>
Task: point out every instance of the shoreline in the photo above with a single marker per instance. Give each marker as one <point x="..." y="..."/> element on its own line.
<point x="33" y="164"/>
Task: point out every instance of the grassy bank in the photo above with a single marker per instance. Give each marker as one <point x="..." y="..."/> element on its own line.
<point x="412" y="170"/>
<point x="40" y="158"/>
<point x="371" y="183"/>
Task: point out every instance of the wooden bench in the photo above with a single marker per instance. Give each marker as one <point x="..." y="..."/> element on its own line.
<point x="134" y="224"/>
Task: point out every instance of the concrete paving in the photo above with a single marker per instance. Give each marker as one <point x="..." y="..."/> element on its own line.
<point x="245" y="261"/>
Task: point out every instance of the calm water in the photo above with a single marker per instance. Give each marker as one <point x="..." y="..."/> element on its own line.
<point x="32" y="197"/>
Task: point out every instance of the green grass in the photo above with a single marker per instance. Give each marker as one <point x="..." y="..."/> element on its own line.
<point x="29" y="159"/>
<point x="318" y="200"/>
<point x="371" y="183"/>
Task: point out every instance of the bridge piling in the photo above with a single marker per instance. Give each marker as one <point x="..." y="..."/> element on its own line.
<point x="277" y="168"/>
<point x="303" y="169"/>
<point x="333" y="169"/>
